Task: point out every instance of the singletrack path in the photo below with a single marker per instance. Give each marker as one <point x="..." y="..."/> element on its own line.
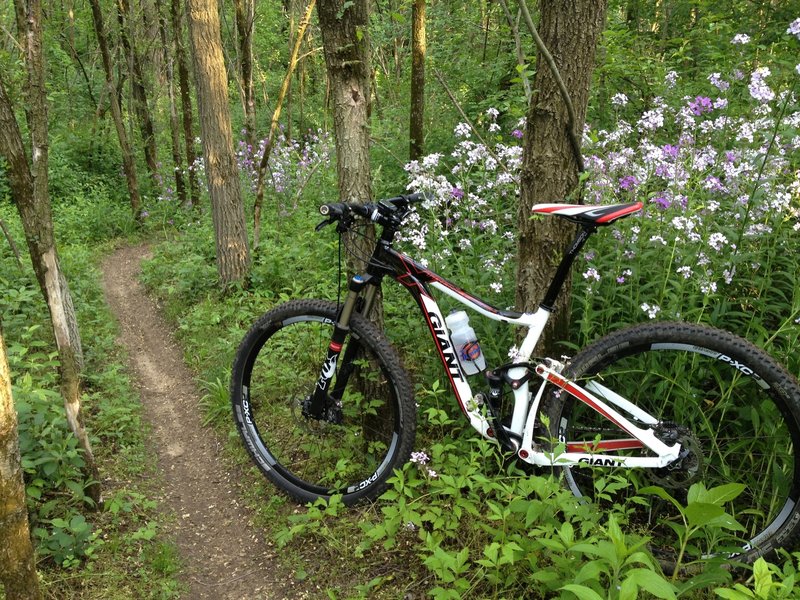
<point x="223" y="556"/>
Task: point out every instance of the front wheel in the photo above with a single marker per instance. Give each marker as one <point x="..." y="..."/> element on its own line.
<point x="367" y="429"/>
<point x="734" y="410"/>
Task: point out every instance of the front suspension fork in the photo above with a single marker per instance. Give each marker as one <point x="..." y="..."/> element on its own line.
<point x="321" y="404"/>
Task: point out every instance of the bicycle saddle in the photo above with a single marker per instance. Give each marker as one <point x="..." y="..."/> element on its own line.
<point x="589" y="214"/>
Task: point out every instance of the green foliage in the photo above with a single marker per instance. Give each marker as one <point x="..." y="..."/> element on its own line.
<point x="100" y="547"/>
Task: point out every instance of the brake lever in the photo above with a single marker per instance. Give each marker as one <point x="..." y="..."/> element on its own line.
<point x="324" y="224"/>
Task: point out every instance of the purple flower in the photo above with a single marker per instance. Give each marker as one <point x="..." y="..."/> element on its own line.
<point x="670" y="150"/>
<point x="662" y="202"/>
<point x="717" y="81"/>
<point x="758" y="87"/>
<point x="700" y="105"/>
<point x="628" y="182"/>
<point x="794" y="28"/>
<point x="457" y="193"/>
<point x="517" y="133"/>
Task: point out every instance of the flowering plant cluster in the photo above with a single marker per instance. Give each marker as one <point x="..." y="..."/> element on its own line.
<point x="292" y="163"/>
<point x="719" y="174"/>
<point x="469" y="223"/>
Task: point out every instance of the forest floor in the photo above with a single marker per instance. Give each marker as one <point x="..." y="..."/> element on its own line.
<point x="223" y="555"/>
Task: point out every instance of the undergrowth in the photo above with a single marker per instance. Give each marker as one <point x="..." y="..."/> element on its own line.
<point x="83" y="551"/>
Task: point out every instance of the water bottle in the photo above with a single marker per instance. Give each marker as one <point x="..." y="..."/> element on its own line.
<point x="465" y="343"/>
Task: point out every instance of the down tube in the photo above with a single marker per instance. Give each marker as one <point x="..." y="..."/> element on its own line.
<point x="461" y="388"/>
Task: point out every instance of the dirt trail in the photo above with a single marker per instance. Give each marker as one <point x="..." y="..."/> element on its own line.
<point x="223" y="556"/>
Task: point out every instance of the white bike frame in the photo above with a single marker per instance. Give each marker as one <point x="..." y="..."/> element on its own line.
<point x="526" y="406"/>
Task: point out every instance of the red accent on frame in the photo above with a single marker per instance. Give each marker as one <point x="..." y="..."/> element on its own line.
<point x="604" y="446"/>
<point x="335" y="347"/>
<point x="567" y="386"/>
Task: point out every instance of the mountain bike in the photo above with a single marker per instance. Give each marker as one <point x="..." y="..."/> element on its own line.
<point x="324" y="405"/>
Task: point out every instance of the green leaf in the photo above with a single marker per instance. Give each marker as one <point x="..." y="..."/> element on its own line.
<point x="653" y="583"/>
<point x="717" y="495"/>
<point x="700" y="513"/>
<point x="763" y="578"/>
<point x="661" y="493"/>
<point x="582" y="592"/>
<point x="731" y="594"/>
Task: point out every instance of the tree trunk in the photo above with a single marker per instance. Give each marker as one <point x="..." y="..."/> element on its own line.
<point x="227" y="207"/>
<point x="186" y="100"/>
<point x="245" y="14"/>
<point x="417" y="121"/>
<point x="262" y="166"/>
<point x="29" y="192"/>
<point x="570" y="29"/>
<point x="18" y="571"/>
<point x="346" y="45"/>
<point x="128" y="164"/>
<point x="138" y="90"/>
<point x="174" y="121"/>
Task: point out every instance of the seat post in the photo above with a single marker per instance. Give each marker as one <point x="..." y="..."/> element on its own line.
<point x="549" y="301"/>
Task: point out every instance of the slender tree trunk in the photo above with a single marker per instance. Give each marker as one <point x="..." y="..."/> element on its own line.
<point x="514" y="26"/>
<point x="245" y="14"/>
<point x="128" y="164"/>
<point x="346" y="44"/>
<point x="570" y="29"/>
<point x="138" y="90"/>
<point x="186" y="100"/>
<point x="227" y="207"/>
<point x="345" y="41"/>
<point x="417" y="121"/>
<point x="30" y="194"/>
<point x="262" y="167"/>
<point x="17" y="566"/>
<point x="174" y="120"/>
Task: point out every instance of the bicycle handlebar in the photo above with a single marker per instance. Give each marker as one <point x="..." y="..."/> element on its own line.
<point x="389" y="211"/>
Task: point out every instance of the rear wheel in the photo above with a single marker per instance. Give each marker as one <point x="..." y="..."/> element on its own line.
<point x="368" y="427"/>
<point x="734" y="410"/>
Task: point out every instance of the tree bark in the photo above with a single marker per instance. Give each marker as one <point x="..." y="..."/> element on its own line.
<point x="227" y="207"/>
<point x="30" y="193"/>
<point x="138" y="89"/>
<point x="570" y="29"/>
<point x="186" y="100"/>
<point x="245" y="15"/>
<point x="417" y="120"/>
<point x="174" y="120"/>
<point x="347" y="59"/>
<point x="18" y="570"/>
<point x="128" y="164"/>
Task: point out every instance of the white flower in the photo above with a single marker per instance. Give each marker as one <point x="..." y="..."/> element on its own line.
<point x="419" y="458"/>
<point x="651" y="310"/>
<point x="619" y="100"/>
<point x="740" y="39"/>
<point x="462" y="130"/>
<point x="717" y="241"/>
<point x="670" y="79"/>
<point x="709" y="287"/>
<point x="591" y="273"/>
